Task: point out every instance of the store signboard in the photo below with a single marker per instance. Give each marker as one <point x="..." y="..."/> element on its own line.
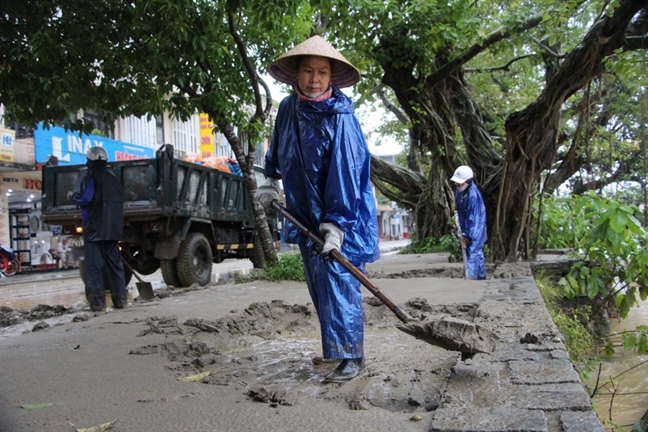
<point x="206" y="136"/>
<point x="23" y="181"/>
<point x="70" y="148"/>
<point x="7" y="145"/>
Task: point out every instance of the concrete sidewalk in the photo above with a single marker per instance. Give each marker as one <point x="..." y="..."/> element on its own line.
<point x="88" y="371"/>
<point x="225" y="267"/>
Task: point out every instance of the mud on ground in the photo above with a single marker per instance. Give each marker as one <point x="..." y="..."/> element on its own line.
<point x="265" y="351"/>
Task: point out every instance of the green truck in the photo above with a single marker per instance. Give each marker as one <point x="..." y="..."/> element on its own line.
<point x="179" y="216"/>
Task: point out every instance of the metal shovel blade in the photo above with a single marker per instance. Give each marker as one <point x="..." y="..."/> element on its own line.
<point x="145" y="289"/>
<point x="452" y="334"/>
<point x="445" y="332"/>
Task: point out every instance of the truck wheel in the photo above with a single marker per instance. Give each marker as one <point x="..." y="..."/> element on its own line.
<point x="194" y="261"/>
<point x="170" y="273"/>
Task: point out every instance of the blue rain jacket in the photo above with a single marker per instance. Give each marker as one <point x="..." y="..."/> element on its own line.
<point x="472" y="220"/>
<point x="319" y="151"/>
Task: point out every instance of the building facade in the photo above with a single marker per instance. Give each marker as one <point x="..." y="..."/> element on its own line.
<point x="23" y="153"/>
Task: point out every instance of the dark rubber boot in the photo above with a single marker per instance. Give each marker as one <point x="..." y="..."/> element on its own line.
<point x="347" y="370"/>
<point x="323" y="360"/>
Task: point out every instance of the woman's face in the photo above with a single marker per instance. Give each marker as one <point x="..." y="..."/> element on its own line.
<point x="314" y="75"/>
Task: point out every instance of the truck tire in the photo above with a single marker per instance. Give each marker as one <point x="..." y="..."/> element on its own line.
<point x="170" y="273"/>
<point x="194" y="262"/>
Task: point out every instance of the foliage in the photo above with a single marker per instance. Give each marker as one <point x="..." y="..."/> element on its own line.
<point x="447" y="243"/>
<point x="614" y="255"/>
<point x="289" y="267"/>
<point x="562" y="225"/>
<point x="571" y="322"/>
<point x="613" y="265"/>
<point x="146" y="57"/>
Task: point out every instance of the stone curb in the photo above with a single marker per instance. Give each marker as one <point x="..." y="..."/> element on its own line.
<point x="521" y="387"/>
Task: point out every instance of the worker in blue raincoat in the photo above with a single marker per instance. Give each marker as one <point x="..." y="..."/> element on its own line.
<point x="319" y="152"/>
<point x="472" y="221"/>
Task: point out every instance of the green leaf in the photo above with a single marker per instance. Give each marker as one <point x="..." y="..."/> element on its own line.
<point x="618" y="221"/>
<point x="640" y="426"/>
<point x="36" y="406"/>
<point x="624" y="307"/>
<point x="642" y="345"/>
<point x="629" y="341"/>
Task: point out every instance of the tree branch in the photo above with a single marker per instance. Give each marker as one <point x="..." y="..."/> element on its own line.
<point x="249" y="68"/>
<point x="491" y="39"/>
<point x="496" y="68"/>
<point x="634" y="43"/>
<point x="400" y="115"/>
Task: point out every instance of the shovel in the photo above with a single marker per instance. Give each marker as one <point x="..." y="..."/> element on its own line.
<point x="145" y="289"/>
<point x="465" y="259"/>
<point x="448" y="333"/>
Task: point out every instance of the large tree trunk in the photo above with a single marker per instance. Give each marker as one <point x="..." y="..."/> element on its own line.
<point x="247" y="167"/>
<point x="532" y="134"/>
<point x="435" y="209"/>
<point x="441" y="103"/>
<point x="433" y="133"/>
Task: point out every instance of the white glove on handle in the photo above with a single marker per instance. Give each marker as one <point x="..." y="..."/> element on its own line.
<point x="268" y="193"/>
<point x="333" y="238"/>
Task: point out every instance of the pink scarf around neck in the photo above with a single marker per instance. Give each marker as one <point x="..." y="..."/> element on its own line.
<point x="327" y="94"/>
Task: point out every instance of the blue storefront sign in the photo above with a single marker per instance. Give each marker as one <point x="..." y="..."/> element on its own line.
<point x="70" y="148"/>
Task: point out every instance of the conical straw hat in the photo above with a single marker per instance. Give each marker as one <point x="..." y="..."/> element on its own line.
<point x="284" y="69"/>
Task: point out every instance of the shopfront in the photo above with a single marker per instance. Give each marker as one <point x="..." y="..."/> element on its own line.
<point x="21" y="229"/>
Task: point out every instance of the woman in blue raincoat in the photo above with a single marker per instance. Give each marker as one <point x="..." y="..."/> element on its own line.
<point x="472" y="221"/>
<point x="319" y="151"/>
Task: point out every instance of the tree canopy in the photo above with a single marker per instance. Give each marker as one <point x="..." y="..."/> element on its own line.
<point x="145" y="58"/>
<point x="527" y="93"/>
<point x="519" y="91"/>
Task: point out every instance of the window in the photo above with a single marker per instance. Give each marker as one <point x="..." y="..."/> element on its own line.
<point x="100" y="127"/>
<point x="222" y="146"/>
<point x="184" y="136"/>
<point x="141" y="131"/>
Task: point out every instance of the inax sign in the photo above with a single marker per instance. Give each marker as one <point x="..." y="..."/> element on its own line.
<point x="70" y="147"/>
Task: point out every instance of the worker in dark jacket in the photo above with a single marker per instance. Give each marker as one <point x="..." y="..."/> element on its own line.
<point x="101" y="197"/>
<point x="472" y="220"/>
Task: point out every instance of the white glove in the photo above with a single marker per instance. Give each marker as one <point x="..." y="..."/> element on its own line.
<point x="333" y="238"/>
<point x="268" y="193"/>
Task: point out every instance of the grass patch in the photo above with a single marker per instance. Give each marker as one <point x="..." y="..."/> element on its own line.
<point x="446" y="243"/>
<point x="579" y="341"/>
<point x="289" y="267"/>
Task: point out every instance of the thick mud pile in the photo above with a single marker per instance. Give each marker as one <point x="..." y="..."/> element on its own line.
<point x="41" y="316"/>
<point x="266" y="352"/>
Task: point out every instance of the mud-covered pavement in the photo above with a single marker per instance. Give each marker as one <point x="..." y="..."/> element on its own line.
<point x="253" y="344"/>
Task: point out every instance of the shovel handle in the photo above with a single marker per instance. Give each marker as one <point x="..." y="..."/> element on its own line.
<point x="131" y="270"/>
<point x="373" y="288"/>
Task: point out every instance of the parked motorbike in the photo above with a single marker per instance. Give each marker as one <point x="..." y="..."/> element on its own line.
<point x="9" y="264"/>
